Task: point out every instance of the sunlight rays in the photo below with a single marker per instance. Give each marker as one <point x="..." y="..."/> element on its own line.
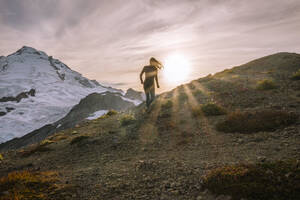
<point x="148" y="131"/>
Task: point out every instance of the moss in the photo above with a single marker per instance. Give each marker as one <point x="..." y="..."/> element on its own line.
<point x="27" y="185"/>
<point x="212" y="109"/>
<point x="263" y="181"/>
<point x="250" y="122"/>
<point x="78" y="139"/>
<point x="266" y="85"/>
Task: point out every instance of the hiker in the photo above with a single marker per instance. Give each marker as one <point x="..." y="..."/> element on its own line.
<point x="150" y="74"/>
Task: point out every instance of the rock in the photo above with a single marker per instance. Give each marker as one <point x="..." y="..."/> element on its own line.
<point x="176" y="192"/>
<point x="261" y="158"/>
<point x="2" y="113"/>
<point x="132" y="94"/>
<point x="199" y="198"/>
<point x="223" y="197"/>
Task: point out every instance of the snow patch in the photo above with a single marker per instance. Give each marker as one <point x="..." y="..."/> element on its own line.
<point x="135" y="102"/>
<point x="97" y="114"/>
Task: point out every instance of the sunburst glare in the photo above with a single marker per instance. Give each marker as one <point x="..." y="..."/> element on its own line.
<point x="176" y="69"/>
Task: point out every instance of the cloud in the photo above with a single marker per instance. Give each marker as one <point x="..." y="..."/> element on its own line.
<point x="110" y="40"/>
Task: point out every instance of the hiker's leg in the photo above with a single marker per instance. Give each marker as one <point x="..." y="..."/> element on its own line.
<point x="147" y="98"/>
<point x="152" y="94"/>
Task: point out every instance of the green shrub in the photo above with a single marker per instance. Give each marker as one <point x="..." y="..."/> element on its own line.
<point x="263" y="181"/>
<point x="250" y="122"/>
<point x="212" y="109"/>
<point x="266" y="85"/>
<point x="78" y="139"/>
<point x="127" y="119"/>
<point x="296" y="76"/>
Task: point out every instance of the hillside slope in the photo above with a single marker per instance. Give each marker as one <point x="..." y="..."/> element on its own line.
<point x="183" y="147"/>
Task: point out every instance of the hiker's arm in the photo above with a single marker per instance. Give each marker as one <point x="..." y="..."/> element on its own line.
<point x="156" y="79"/>
<point x="141" y="76"/>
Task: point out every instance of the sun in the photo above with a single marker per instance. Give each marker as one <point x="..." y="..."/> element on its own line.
<point x="176" y="68"/>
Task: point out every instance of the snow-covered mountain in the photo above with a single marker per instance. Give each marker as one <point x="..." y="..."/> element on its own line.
<point x="36" y="89"/>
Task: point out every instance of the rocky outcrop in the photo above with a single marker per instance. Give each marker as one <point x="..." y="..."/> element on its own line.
<point x="132" y="94"/>
<point x="3" y="63"/>
<point x="19" y="97"/>
<point x="8" y="109"/>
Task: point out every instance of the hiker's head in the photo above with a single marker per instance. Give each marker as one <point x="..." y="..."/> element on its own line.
<point x="155" y="63"/>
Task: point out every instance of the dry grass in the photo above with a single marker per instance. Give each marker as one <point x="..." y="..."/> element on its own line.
<point x="33" y="149"/>
<point x="26" y="185"/>
<point x="57" y="137"/>
<point x="212" y="109"/>
<point x="264" y="181"/>
<point x="250" y="122"/>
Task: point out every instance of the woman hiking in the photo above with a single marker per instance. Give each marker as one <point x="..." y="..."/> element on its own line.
<point x="150" y="74"/>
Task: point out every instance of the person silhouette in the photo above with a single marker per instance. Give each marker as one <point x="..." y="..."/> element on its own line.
<point x="150" y="74"/>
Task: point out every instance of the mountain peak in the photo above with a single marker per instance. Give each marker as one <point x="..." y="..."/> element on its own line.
<point x="29" y="50"/>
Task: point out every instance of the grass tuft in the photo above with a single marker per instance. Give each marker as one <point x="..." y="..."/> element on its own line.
<point x="266" y="85"/>
<point x="196" y="111"/>
<point x="212" y="109"/>
<point x="250" y="122"/>
<point x="127" y="119"/>
<point x="296" y="76"/>
<point x="111" y="112"/>
<point x="263" y="181"/>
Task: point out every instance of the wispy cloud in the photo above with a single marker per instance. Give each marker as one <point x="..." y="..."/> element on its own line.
<point x="110" y="40"/>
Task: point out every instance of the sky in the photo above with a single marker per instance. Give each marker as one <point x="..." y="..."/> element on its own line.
<point x="111" y="40"/>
